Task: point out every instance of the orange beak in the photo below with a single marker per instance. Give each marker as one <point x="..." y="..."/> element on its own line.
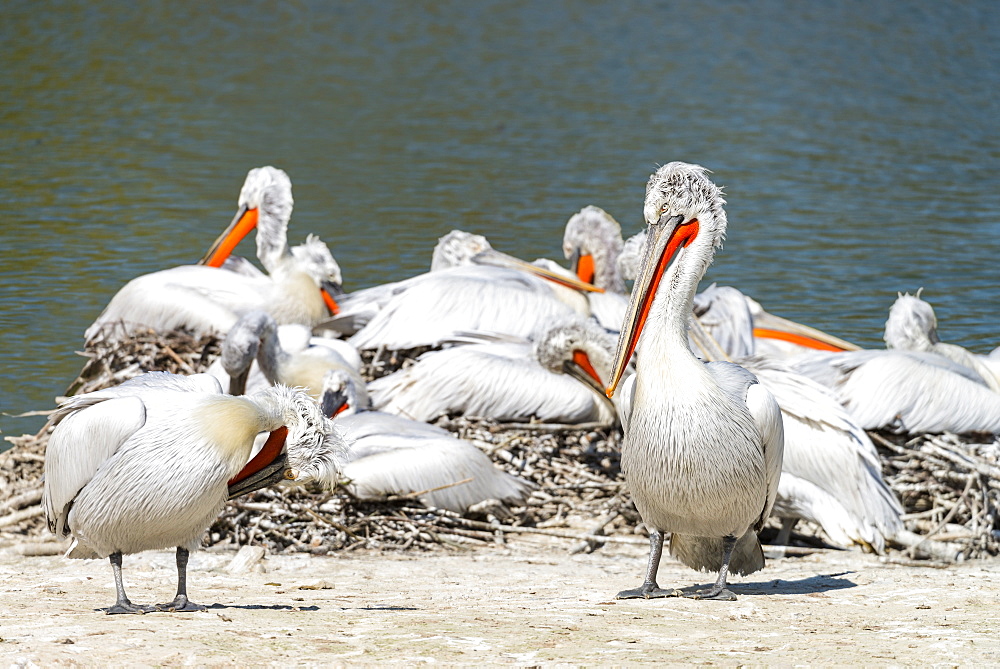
<point x="244" y="221"/>
<point x="662" y="242"/>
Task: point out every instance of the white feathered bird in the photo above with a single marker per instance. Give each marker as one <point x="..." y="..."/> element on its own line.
<point x="496" y="293"/>
<point x="282" y="357"/>
<point x="392" y="455"/>
<point x="912" y="326"/>
<point x="703" y="444"/>
<point x="299" y="288"/>
<point x="500" y="380"/>
<point x="150" y="464"/>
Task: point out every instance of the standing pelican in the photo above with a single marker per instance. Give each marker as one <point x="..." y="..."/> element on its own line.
<point x="202" y="298"/>
<point x="830" y="470"/>
<point x="393" y="455"/>
<point x="150" y="464"/>
<point x="703" y="447"/>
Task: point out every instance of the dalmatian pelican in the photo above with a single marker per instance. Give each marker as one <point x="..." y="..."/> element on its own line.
<point x="703" y="442"/>
<point x="149" y="464"/>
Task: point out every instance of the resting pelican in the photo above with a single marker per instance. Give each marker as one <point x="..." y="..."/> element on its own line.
<point x="592" y="242"/>
<point x="906" y="392"/>
<point x="703" y="447"/>
<point x="584" y="351"/>
<point x="830" y="473"/>
<point x="497" y="293"/>
<point x="500" y="380"/>
<point x="393" y="455"/>
<point x="912" y="326"/>
<point x="149" y="464"/>
<point x="256" y="337"/>
<point x="206" y="299"/>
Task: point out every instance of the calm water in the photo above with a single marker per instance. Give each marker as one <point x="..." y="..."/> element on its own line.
<point x="858" y="145"/>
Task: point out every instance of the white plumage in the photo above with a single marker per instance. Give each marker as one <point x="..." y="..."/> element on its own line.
<point x="912" y="326"/>
<point x="255" y="337"/>
<point x="703" y="446"/>
<point x="206" y="299"/>
<point x="904" y="391"/>
<point x="392" y="455"/>
<point x="500" y="380"/>
<point x="148" y="464"/>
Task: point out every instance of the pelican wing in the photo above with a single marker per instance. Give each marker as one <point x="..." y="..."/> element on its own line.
<point x="905" y="392"/>
<point x="90" y="431"/>
<point x="462" y="299"/>
<point x="202" y="299"/>
<point x="499" y="381"/>
<point x="831" y="473"/>
<point x="767" y="417"/>
<point x="449" y="473"/>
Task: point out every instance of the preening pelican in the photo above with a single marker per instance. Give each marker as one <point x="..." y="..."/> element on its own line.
<point x="703" y="447"/>
<point x="497" y="293"/>
<point x="256" y="337"/>
<point x="299" y="288"/>
<point x="912" y="326"/>
<point x="393" y="455"/>
<point x="149" y="464"/>
<point x="500" y="380"/>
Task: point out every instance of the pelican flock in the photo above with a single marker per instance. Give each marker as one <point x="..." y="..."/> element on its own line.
<point x="727" y="414"/>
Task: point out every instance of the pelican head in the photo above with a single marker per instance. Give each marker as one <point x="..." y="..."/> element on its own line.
<point x="305" y="447"/>
<point x="685" y="218"/>
<point x="340" y="396"/>
<point x="592" y="242"/>
<point x="241" y="346"/>
<point x="265" y="201"/>
<point x="912" y="324"/>
<point x="581" y="350"/>
<point x="315" y="259"/>
<point x="457" y="249"/>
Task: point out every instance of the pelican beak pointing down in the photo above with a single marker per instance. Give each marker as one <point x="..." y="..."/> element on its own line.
<point x="244" y="221"/>
<point x="663" y="240"/>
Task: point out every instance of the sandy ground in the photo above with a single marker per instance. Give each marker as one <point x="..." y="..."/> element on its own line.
<point x="527" y="603"/>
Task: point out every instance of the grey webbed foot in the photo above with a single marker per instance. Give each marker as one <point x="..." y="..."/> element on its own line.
<point x="180" y="604"/>
<point x="647" y="591"/>
<point x="125" y="606"/>
<point x="718" y="594"/>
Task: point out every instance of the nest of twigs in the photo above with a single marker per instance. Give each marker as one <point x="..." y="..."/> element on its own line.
<point x="950" y="487"/>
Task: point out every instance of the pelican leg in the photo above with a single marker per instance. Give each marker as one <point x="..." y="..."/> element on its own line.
<point x="719" y="590"/>
<point x="181" y="602"/>
<point x="649" y="589"/>
<point x="123" y="605"/>
<point x="784" y="537"/>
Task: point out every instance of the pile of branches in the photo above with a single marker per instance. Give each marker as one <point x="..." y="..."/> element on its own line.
<point x="950" y="487"/>
<point x="112" y="359"/>
<point x="575" y="471"/>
